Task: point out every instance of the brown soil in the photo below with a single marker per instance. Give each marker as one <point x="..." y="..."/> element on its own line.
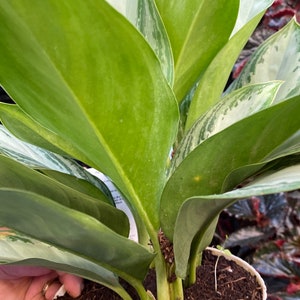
<point x="233" y="283"/>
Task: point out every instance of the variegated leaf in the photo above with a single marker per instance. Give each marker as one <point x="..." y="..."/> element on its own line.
<point x="233" y="108"/>
<point x="144" y="16"/>
<point x="17" y="248"/>
<point x="248" y="10"/>
<point x="212" y="83"/>
<point x="276" y="59"/>
<point x="289" y="147"/>
<point x="246" y="142"/>
<point x="38" y="158"/>
<point x="285" y="154"/>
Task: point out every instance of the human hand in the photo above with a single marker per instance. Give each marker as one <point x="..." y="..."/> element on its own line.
<point x="36" y="283"/>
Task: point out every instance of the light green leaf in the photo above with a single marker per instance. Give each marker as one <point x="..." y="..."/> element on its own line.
<point x="246" y="142"/>
<point x="248" y="10"/>
<point x="276" y="59"/>
<point x="233" y="108"/>
<point x="197" y="29"/>
<point x="29" y="180"/>
<point x="101" y="120"/>
<point x="144" y="16"/>
<point x="215" y="77"/>
<point x="194" y="219"/>
<point x="16" y="248"/>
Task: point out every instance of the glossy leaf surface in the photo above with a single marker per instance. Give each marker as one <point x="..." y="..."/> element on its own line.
<point x="106" y="121"/>
<point x="29" y="180"/>
<point x="285" y="154"/>
<point x="24" y="250"/>
<point x="194" y="218"/>
<point x="233" y="108"/>
<point x="248" y="10"/>
<point x="276" y="59"/>
<point x="144" y="16"/>
<point x="246" y="142"/>
<point x="290" y="146"/>
<point x="65" y="228"/>
<point x="25" y="128"/>
<point x="215" y="77"/>
<point x="197" y="30"/>
<point x="38" y="158"/>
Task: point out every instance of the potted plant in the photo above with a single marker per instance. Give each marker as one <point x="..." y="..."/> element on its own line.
<point x="116" y="85"/>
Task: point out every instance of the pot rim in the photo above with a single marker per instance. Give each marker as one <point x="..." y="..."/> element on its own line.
<point x="244" y="265"/>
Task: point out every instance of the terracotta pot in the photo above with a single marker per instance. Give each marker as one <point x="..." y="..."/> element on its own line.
<point x="244" y="265"/>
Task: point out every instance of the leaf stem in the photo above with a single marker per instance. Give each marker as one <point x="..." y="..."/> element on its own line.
<point x="194" y="262"/>
<point x="138" y="286"/>
<point x="166" y="290"/>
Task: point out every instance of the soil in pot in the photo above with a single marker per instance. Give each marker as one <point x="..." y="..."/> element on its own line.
<point x="233" y="282"/>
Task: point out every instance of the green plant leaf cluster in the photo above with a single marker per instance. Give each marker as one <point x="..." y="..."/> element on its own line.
<point x="117" y="85"/>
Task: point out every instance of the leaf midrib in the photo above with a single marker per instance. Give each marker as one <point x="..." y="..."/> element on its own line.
<point x="120" y="171"/>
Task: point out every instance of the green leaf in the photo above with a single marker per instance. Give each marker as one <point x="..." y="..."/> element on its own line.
<point x="25" y="128"/>
<point x="233" y="108"/>
<point x="66" y="229"/>
<point x="285" y="154"/>
<point x="290" y="146"/>
<point x="26" y="153"/>
<point x="276" y="59"/>
<point x="76" y="184"/>
<point x="38" y="158"/>
<point x="215" y="77"/>
<point x="194" y="219"/>
<point x="144" y="16"/>
<point x="16" y="176"/>
<point x="246" y="142"/>
<point x="248" y="10"/>
<point x="102" y="120"/>
<point x="197" y="29"/>
<point x="16" y="248"/>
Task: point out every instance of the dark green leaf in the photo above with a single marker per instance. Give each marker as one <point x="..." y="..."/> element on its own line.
<point x="196" y="221"/>
<point x="73" y="231"/>
<point x="18" y="177"/>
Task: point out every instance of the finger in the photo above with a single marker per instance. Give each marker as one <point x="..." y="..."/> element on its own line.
<point x="35" y="290"/>
<point x="73" y="284"/>
<point x="52" y="290"/>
